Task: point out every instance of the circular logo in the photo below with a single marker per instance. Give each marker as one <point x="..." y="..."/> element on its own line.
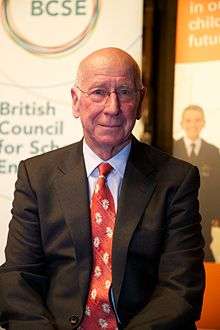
<point x="49" y="27"/>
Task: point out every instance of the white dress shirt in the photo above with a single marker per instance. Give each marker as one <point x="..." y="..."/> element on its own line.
<point x="189" y="143"/>
<point x="114" y="179"/>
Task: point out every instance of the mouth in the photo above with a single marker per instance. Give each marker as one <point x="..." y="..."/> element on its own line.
<point x="110" y="126"/>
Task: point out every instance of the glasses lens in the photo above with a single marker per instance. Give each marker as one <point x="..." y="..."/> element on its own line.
<point x="98" y="95"/>
<point x="125" y="94"/>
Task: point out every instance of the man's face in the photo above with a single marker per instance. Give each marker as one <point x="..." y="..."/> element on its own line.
<point x="192" y="123"/>
<point x="106" y="124"/>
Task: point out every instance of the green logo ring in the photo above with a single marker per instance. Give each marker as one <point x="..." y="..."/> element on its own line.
<point x="53" y="50"/>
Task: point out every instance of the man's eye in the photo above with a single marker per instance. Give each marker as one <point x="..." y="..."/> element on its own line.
<point x="124" y="91"/>
<point x="99" y="92"/>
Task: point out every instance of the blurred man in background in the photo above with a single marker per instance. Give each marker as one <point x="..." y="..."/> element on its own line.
<point x="197" y="151"/>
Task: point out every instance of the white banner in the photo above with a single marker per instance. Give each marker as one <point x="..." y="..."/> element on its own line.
<point x="197" y="107"/>
<point x="42" y="43"/>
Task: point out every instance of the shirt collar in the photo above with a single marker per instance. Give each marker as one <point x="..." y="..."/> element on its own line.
<point x="118" y="161"/>
<point x="189" y="142"/>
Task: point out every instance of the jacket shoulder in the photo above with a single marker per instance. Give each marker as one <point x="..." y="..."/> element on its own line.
<point x="167" y="166"/>
<point x="44" y="168"/>
<point x="210" y="147"/>
<point x="52" y="156"/>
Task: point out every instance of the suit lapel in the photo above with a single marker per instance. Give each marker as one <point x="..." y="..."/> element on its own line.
<point x="183" y="152"/>
<point x="137" y="188"/>
<point x="202" y="152"/>
<point x="72" y="188"/>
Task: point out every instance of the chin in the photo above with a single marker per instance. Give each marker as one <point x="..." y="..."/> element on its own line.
<point x="108" y="136"/>
<point x="110" y="140"/>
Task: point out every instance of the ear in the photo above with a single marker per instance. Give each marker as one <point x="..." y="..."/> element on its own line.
<point x="140" y="105"/>
<point x="75" y="102"/>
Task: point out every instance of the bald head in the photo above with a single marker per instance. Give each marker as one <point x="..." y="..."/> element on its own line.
<point x="110" y="60"/>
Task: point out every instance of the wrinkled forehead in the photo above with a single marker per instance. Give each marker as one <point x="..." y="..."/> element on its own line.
<point x="108" y="67"/>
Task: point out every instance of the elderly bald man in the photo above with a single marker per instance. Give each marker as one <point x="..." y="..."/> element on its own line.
<point x="106" y="232"/>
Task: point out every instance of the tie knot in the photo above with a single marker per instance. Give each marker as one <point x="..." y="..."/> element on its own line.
<point x="104" y="169"/>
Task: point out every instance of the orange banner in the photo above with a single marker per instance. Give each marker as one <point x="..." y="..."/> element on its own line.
<point x="198" y="31"/>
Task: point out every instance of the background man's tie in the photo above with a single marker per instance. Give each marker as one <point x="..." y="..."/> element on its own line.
<point x="193" y="157"/>
<point x="99" y="313"/>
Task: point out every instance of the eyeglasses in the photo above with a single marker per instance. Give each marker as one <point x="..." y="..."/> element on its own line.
<point x="100" y="95"/>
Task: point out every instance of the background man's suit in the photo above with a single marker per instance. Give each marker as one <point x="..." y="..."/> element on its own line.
<point x="156" y="239"/>
<point x="208" y="162"/>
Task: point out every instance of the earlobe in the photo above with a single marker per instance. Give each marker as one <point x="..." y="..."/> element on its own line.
<point x="75" y="102"/>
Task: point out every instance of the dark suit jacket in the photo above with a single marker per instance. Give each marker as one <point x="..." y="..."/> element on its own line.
<point x="208" y="154"/>
<point x="208" y="162"/>
<point x="157" y="265"/>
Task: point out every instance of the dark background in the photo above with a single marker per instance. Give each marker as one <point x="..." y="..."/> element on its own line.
<point x="159" y="38"/>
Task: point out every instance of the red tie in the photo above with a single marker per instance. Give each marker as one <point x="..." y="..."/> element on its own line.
<point x="99" y="313"/>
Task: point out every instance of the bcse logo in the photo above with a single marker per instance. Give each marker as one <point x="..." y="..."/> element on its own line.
<point x="57" y="7"/>
<point x="16" y="22"/>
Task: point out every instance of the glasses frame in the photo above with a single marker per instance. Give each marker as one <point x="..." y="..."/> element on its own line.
<point x="107" y="95"/>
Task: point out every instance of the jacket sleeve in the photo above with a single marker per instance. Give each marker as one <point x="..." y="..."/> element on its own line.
<point x="23" y="284"/>
<point x="177" y="300"/>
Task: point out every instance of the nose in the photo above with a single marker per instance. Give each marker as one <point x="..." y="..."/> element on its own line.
<point x="112" y="105"/>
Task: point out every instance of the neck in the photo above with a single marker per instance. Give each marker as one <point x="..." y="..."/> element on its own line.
<point x="106" y="152"/>
<point x="194" y="138"/>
